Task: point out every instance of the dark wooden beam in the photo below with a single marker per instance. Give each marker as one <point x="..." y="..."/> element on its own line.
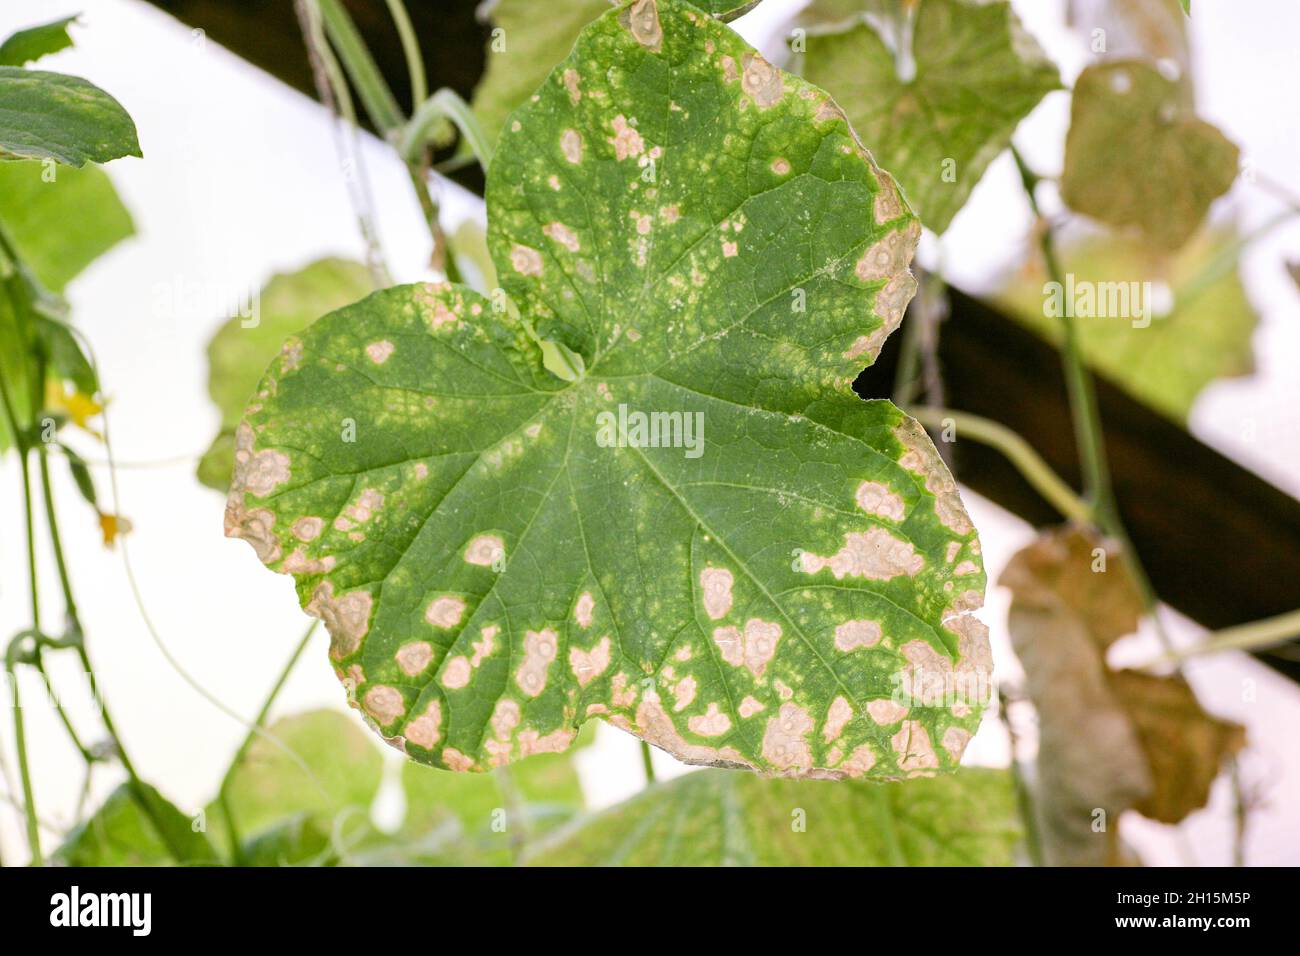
<point x="1220" y="544"/>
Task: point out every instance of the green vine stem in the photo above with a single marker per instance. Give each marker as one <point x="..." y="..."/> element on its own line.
<point x="410" y="50"/>
<point x="1087" y="420"/>
<point x="223" y="794"/>
<point x="1018" y="451"/>
<point x="648" y="763"/>
<point x="444" y="106"/>
<point x="1254" y="636"/>
<point x="20" y="745"/>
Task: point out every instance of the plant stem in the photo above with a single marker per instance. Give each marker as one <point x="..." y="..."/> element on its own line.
<point x="410" y="50"/>
<point x="259" y="721"/>
<point x="445" y="105"/>
<point x="648" y="763"/>
<point x="20" y="745"/>
<point x="1018" y="451"/>
<point x="1086" y="418"/>
<point x="1257" y="635"/>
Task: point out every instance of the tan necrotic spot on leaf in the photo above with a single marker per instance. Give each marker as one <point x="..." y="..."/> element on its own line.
<point x="557" y="741"/>
<point x="483" y="647"/>
<point x="584" y="609"/>
<point x="485" y="549"/>
<point x="854" y="634"/>
<point x="456" y="672"/>
<point x="298" y="563"/>
<point x="627" y="142"/>
<point x="588" y="665"/>
<point x="921" y="459"/>
<point x="890" y="255"/>
<point x="571" y="146"/>
<point x="526" y="260"/>
<point x="785" y="741"/>
<point x="839" y="714"/>
<point x="761" y="81"/>
<point x="413" y="657"/>
<point x="730" y="644"/>
<point x="860" y="761"/>
<point x="874" y="554"/>
<point x="424" y="731"/>
<point x="780" y="166"/>
<point x="642" y="21"/>
<point x="347" y="617"/>
<point x="540" y="648"/>
<point x="712" y="723"/>
<point x="954" y="741"/>
<point x="308" y="528"/>
<point x="445" y="611"/>
<point x="455" y="760"/>
<point x="749" y="707"/>
<point x="254" y="527"/>
<point x="716" y="584"/>
<point x="876" y="498"/>
<point x="761" y="638"/>
<point x="561" y="234"/>
<point x="915" y="753"/>
<point x="684" y="693"/>
<point x="886" y="711"/>
<point x="657" y="728"/>
<point x="379" y="352"/>
<point x="571" y="84"/>
<point x="384" y="704"/>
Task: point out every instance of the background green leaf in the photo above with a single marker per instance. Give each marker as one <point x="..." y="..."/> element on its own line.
<point x="1136" y="156"/>
<point x="119" y="833"/>
<point x="64" y="118"/>
<point x="977" y="75"/>
<point x="723" y="818"/>
<point x="24" y="46"/>
<point x="237" y="354"/>
<point x="63" y="225"/>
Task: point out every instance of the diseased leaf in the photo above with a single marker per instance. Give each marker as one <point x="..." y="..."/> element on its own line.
<point x="1091" y="766"/>
<point x="722" y="818"/>
<point x="1108" y="740"/>
<point x="120" y="833"/>
<point x="327" y="769"/>
<point x="24" y="46"/>
<point x="499" y="558"/>
<point x="64" y="118"/>
<point x="62" y="225"/>
<point x="1185" y="746"/>
<point x="1136" y="155"/>
<point x="936" y="115"/>
<point x="1162" y="356"/>
<point x="239" y="351"/>
<point x="533" y="39"/>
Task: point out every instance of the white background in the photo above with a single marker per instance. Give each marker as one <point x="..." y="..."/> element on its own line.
<point x="241" y="180"/>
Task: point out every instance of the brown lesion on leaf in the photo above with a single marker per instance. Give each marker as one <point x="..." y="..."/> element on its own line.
<point x="761" y="81"/>
<point x="414" y="656"/>
<point x="642" y="21"/>
<point x="587" y="665"/>
<point x="913" y="749"/>
<point x="540" y="648"/>
<point x="874" y="554"/>
<point x="425" y="730"/>
<point x="785" y="740"/>
<point x="346" y="617"/>
<point x="921" y="459"/>
<point x="384" y="704"/>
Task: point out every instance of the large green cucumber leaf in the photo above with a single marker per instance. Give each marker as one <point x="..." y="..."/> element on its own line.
<point x="977" y="75"/>
<point x="64" y="118"/>
<point x="24" y="46"/>
<point x="720" y="818"/>
<point x="120" y="833"/>
<point x="1163" y="359"/>
<point x="1136" y="156"/>
<point x="238" y="352"/>
<point x="61" y="219"/>
<point x="698" y="234"/>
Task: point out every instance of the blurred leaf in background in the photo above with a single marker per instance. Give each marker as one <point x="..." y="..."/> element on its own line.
<point x="119" y="833"/>
<point x="239" y="353"/>
<point x="729" y="818"/>
<point x="1137" y="156"/>
<point x="1205" y="335"/>
<point x="937" y="112"/>
<point x="1109" y="740"/>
